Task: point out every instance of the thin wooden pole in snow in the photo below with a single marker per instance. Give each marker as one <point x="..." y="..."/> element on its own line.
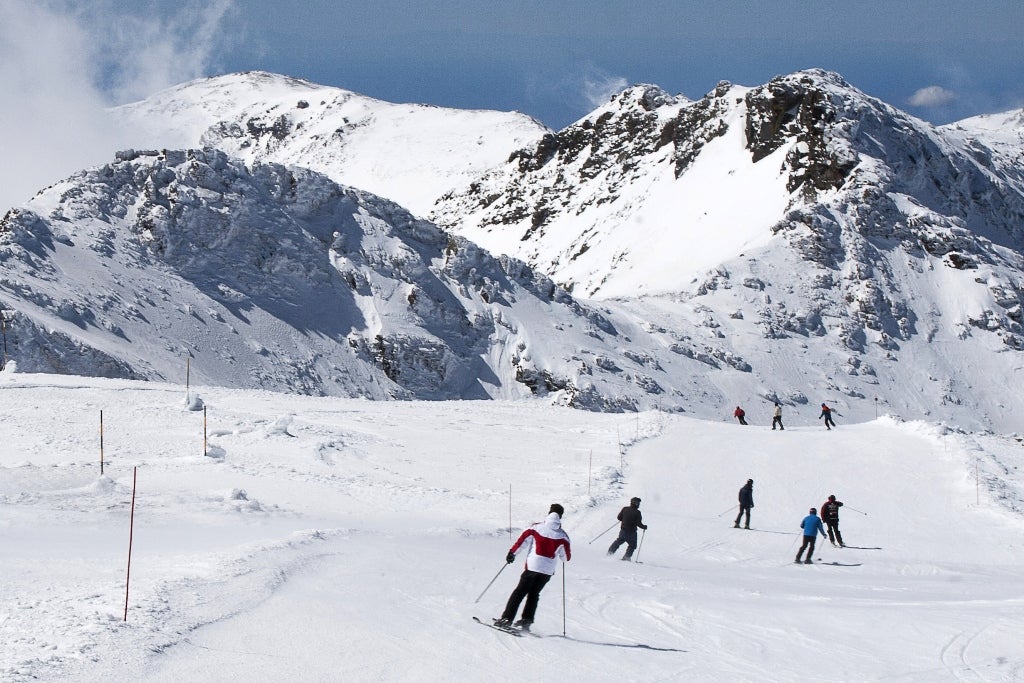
<point x="188" y="374"/>
<point x="101" y="443"/>
<point x="204" y="430"/>
<point x="618" y="437"/>
<point x="977" y="481"/>
<point x="590" y="471"/>
<point x="131" y="534"/>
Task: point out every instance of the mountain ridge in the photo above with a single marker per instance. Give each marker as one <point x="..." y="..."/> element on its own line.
<point x="409" y="153"/>
<point x="794" y="241"/>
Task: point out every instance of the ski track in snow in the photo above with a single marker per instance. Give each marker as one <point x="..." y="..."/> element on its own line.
<point x="335" y="539"/>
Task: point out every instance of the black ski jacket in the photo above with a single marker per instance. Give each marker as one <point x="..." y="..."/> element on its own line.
<point x="830" y="510"/>
<point x="631" y="518"/>
<point x="747" y="496"/>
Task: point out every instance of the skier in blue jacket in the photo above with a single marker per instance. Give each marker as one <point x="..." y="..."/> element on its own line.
<point x="811" y="525"/>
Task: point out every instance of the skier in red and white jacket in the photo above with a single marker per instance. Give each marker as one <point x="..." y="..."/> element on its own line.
<point x="546" y="542"/>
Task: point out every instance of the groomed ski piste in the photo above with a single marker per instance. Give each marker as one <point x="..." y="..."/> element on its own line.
<point x="324" y="539"/>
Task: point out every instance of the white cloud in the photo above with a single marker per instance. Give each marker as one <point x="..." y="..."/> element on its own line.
<point x="932" y="96"/>
<point x="61" y="67"/>
<point x="598" y="87"/>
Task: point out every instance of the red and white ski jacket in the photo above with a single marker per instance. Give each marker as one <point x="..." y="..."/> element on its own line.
<point x="546" y="542"/>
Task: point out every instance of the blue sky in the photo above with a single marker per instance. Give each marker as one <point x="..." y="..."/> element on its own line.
<point x="554" y="59"/>
<point x="63" y="61"/>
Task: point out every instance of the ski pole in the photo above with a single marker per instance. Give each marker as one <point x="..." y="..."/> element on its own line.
<point x="492" y="582"/>
<point x="603" y="533"/>
<point x="728" y="509"/>
<point x="563" y="598"/>
<point x="643" y="532"/>
<point x="856" y="510"/>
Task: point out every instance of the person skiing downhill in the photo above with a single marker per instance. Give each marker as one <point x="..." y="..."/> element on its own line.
<point x="746" y="497"/>
<point x="547" y="542"/>
<point x="740" y="415"/>
<point x="826" y="413"/>
<point x="811" y="525"/>
<point x="777" y="417"/>
<point x="631" y="519"/>
<point x="830" y="516"/>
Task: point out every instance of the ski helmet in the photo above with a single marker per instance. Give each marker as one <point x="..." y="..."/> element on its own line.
<point x="832" y="497"/>
<point x="813" y="511"/>
<point x="634" y="500"/>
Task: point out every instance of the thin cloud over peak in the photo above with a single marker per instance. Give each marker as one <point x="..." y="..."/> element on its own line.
<point x="598" y="87"/>
<point x="932" y="96"/>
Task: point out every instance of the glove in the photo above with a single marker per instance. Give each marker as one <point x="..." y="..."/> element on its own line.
<point x="511" y="557"/>
<point x="644" y="527"/>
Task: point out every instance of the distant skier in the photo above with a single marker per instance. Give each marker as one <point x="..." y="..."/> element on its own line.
<point x="811" y="525"/>
<point x="631" y="519"/>
<point x="830" y="515"/>
<point x="777" y="417"/>
<point x="826" y="413"/>
<point x="546" y="542"/>
<point x="740" y="415"/>
<point x="746" y="502"/>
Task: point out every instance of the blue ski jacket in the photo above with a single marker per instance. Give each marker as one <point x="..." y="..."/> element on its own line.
<point x="811" y="525"/>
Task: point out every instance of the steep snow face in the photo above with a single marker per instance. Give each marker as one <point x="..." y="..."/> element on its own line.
<point x="280" y="279"/>
<point x="994" y="141"/>
<point x="408" y="153"/>
<point x="630" y="199"/>
<point x="624" y="201"/>
<point x="1005" y="129"/>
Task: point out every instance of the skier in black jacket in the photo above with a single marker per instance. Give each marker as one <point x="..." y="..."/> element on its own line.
<point x="746" y="502"/>
<point x="830" y="516"/>
<point x="631" y="519"/>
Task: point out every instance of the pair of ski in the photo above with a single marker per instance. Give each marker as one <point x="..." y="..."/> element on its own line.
<point x="511" y="630"/>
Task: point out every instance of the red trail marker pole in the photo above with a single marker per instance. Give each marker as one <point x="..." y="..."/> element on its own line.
<point x="131" y="534"/>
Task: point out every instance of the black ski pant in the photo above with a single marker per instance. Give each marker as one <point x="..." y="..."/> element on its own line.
<point x="828" y="422"/>
<point x="809" y="545"/>
<point x="742" y="510"/>
<point x="627" y="536"/>
<point x="777" y="421"/>
<point x="833" y="532"/>
<point x="530" y="585"/>
<point x="741" y="419"/>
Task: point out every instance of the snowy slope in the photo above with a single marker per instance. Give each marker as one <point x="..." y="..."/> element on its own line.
<point x="1004" y="130"/>
<point x="409" y="153"/>
<point x="335" y="539"/>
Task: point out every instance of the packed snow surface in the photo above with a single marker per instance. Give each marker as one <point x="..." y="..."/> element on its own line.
<point x="327" y="539"/>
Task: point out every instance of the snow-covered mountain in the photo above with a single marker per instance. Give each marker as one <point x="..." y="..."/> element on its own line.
<point x="409" y="153"/>
<point x="802" y="217"/>
<point x="281" y="279"/>
<point x="652" y="190"/>
<point x="798" y="241"/>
